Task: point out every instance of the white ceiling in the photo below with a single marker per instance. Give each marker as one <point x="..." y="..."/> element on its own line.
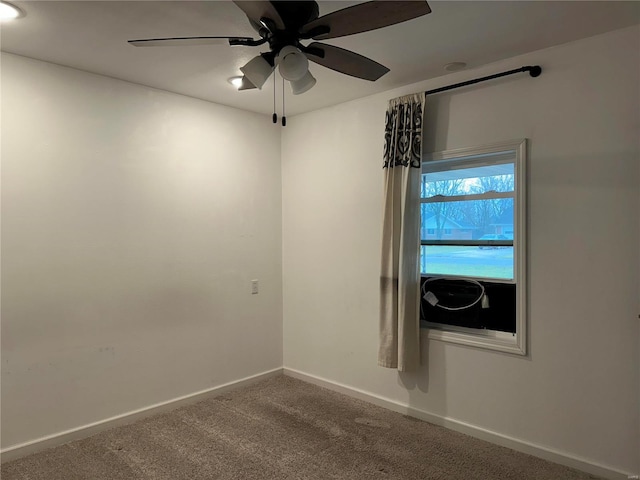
<point x="92" y="36"/>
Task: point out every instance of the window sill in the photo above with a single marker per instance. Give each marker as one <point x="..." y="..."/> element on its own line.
<point x="487" y="339"/>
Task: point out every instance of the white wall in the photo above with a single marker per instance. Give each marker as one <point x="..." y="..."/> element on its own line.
<point x="577" y="391"/>
<point x="133" y="221"/>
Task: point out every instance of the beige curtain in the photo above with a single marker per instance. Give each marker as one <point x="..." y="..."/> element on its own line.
<point x="400" y="274"/>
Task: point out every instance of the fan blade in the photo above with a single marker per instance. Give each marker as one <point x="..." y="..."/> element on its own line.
<point x="346" y="61"/>
<point x="184" y="41"/>
<point x="259" y="9"/>
<point x="364" y="17"/>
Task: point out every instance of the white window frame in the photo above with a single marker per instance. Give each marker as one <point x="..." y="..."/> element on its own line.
<point x="515" y="343"/>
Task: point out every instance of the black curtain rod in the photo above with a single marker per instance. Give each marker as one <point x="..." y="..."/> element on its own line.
<point x="534" y="71"/>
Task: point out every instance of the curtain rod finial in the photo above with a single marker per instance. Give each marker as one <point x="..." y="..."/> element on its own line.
<point x="535" y="71"/>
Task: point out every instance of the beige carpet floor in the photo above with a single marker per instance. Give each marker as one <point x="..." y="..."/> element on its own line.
<point x="283" y="428"/>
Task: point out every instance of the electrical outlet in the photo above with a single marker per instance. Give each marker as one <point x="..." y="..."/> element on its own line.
<point x="254" y="287"/>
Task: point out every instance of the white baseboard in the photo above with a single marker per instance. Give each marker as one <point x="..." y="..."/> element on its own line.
<point x="20" y="450"/>
<point x="16" y="451"/>
<point x="539" y="451"/>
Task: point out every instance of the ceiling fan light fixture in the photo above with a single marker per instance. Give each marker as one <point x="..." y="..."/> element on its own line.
<point x="9" y="12"/>
<point x="245" y="84"/>
<point x="257" y="71"/>
<point x="292" y="63"/>
<point x="304" y="84"/>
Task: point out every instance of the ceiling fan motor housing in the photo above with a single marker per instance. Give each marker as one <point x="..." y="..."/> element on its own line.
<point x="295" y="15"/>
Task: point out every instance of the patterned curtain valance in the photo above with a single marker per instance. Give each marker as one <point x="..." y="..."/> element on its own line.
<point x="403" y="132"/>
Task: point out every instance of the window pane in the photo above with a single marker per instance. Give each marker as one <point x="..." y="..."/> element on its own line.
<point x="484" y="220"/>
<point x="466" y="180"/>
<point x="490" y="219"/>
<point x="481" y="262"/>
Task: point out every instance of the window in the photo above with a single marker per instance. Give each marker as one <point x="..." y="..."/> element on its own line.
<point x="472" y="253"/>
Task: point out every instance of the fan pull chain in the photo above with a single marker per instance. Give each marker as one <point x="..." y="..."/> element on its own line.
<point x="275" y="116"/>
<point x="284" y="118"/>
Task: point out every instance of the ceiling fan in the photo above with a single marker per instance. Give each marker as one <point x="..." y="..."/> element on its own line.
<point x="284" y="24"/>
